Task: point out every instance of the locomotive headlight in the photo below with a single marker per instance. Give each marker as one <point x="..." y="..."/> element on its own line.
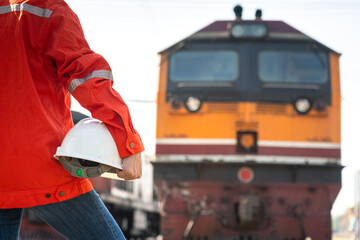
<point x="248" y="30"/>
<point x="193" y="104"/>
<point x="302" y="105"/>
<point x="237" y="31"/>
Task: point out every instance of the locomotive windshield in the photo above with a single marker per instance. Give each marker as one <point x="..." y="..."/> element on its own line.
<point x="249" y="71"/>
<point x="204" y="66"/>
<point x="292" y="67"/>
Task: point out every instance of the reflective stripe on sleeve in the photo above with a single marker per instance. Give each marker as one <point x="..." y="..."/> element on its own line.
<point x="95" y="74"/>
<point x="41" y="12"/>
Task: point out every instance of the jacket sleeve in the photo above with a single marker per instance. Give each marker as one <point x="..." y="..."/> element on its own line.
<point x="88" y="77"/>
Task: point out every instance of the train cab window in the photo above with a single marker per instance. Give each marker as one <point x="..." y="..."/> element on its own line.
<point x="204" y="66"/>
<point x="292" y="67"/>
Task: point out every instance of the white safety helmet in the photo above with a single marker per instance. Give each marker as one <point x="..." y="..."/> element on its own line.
<point x="88" y="150"/>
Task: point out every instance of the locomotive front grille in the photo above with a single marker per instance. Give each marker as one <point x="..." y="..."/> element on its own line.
<point x="265" y="108"/>
<point x="223" y="108"/>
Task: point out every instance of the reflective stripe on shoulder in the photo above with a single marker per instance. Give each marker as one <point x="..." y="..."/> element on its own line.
<point x="95" y="74"/>
<point x="41" y="12"/>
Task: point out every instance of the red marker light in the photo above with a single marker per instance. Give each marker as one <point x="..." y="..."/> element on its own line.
<point x="245" y="175"/>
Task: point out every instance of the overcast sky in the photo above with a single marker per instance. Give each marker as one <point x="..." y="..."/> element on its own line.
<point x="130" y="33"/>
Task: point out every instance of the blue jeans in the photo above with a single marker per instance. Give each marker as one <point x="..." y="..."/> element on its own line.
<point x="84" y="217"/>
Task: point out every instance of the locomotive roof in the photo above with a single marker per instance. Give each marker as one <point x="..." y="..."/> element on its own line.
<point x="218" y="30"/>
<point x="273" y="26"/>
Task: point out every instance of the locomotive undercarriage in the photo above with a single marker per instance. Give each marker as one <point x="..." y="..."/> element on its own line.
<point x="283" y="202"/>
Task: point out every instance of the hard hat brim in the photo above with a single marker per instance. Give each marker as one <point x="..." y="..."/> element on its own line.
<point x="60" y="153"/>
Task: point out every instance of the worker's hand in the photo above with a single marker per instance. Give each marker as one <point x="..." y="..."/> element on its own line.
<point x="132" y="167"/>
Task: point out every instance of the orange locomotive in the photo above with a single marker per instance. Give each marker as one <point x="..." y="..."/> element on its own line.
<point x="248" y="133"/>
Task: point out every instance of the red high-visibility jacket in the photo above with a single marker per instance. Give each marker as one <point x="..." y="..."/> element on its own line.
<point x="44" y="58"/>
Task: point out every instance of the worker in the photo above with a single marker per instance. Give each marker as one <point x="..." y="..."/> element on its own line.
<point x="44" y="59"/>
